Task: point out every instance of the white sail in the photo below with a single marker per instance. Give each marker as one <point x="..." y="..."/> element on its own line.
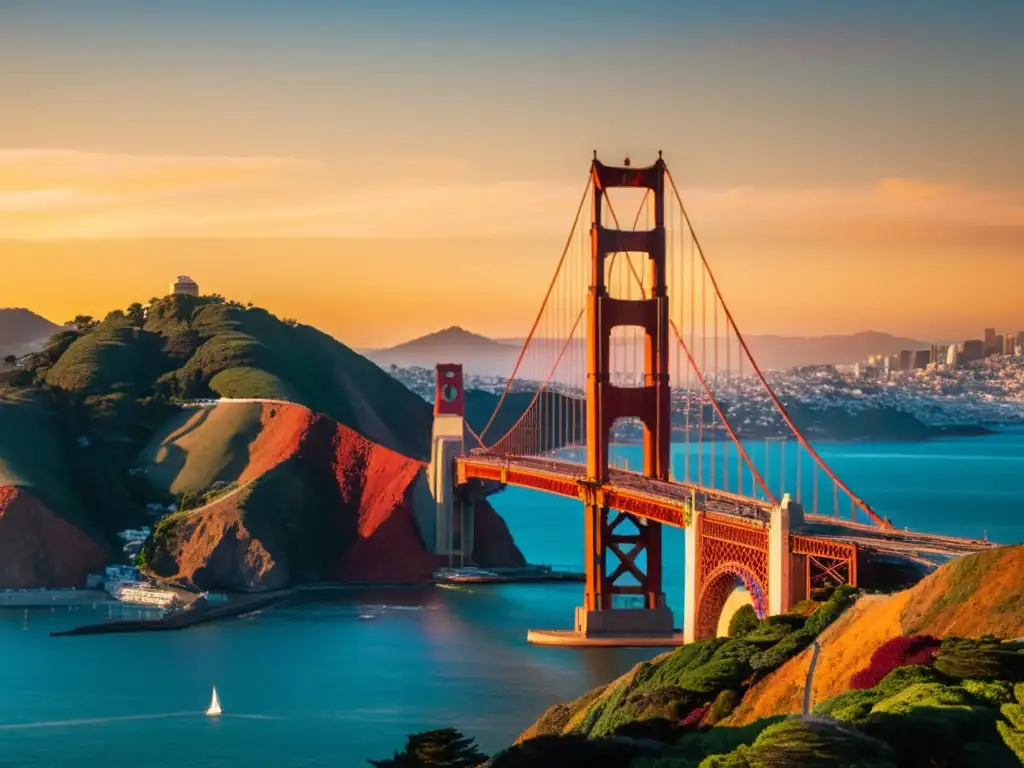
<point x="214" y="709"/>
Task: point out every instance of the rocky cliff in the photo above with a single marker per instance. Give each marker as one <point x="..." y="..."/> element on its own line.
<point x="39" y="547"/>
<point x="310" y="500"/>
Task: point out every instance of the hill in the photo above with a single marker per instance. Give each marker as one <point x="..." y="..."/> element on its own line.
<point x="22" y="331"/>
<point x="188" y="348"/>
<point x="289" y="496"/>
<point x="106" y="402"/>
<point x="973" y="596"/>
<point x="478" y="354"/>
<point x="895" y="686"/>
<point x="45" y="535"/>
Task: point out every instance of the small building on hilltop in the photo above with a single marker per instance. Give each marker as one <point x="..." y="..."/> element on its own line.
<point x="185" y="286"/>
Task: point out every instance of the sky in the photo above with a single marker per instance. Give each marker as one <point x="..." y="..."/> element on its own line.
<point x="385" y="168"/>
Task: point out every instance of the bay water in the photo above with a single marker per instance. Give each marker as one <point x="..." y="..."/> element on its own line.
<point x="343" y="676"/>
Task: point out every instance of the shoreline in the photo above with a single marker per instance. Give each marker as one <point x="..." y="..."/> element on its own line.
<point x="242" y="603"/>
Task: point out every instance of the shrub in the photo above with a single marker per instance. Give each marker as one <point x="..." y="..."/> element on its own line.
<point x="743" y="621"/>
<point x="904" y="677"/>
<point x="923" y="695"/>
<point x="782" y="651"/>
<point x="723" y="706"/>
<point x="982" y="659"/>
<point x="443" y="748"/>
<point x="851" y="706"/>
<point x="738" y="649"/>
<point x="715" y="676"/>
<point x="810" y="743"/>
<point x="695" y="717"/>
<point x="989" y="692"/>
<point x="940" y="735"/>
<point x="840" y="599"/>
<point x="897" y="652"/>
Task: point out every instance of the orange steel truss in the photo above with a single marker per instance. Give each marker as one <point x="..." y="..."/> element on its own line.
<point x="823" y="562"/>
<point x="730" y="550"/>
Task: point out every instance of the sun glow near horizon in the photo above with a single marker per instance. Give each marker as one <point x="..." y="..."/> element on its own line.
<point x="830" y="184"/>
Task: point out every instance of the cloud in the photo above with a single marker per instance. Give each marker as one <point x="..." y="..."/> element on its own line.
<point x="52" y="194"/>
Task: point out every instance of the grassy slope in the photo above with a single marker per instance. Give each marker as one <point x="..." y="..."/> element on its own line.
<point x="31" y="455"/>
<point x="965" y="708"/>
<point x="974" y="595"/>
<point x="199" y="447"/>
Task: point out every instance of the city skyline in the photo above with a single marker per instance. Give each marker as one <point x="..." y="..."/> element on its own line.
<point x="314" y="159"/>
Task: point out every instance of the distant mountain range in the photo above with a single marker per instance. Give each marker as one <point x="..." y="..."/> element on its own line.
<point x="23" y="331"/>
<point x="483" y="356"/>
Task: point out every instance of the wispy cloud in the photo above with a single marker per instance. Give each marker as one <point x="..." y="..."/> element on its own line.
<point x="53" y="194"/>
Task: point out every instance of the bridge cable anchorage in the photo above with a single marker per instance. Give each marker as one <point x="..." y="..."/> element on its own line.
<point x="529" y="413"/>
<point x="547" y="295"/>
<point x="773" y="397"/>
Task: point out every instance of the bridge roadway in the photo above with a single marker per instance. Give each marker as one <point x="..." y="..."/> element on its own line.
<point x="667" y="501"/>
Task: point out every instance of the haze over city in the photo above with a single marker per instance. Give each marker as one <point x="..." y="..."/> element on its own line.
<point x="849" y="168"/>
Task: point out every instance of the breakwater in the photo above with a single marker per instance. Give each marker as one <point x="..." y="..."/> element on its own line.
<point x="199" y="613"/>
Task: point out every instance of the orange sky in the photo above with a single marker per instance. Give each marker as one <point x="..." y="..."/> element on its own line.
<point x="840" y="181"/>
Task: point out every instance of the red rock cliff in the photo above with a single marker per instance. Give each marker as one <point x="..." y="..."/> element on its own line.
<point x="38" y="547"/>
<point x="317" y="501"/>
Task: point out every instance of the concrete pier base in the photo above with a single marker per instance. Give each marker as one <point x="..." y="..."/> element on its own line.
<point x="567" y="638"/>
<point x="624" y="621"/>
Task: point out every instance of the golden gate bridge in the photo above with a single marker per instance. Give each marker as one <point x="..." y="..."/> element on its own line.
<point x="634" y="327"/>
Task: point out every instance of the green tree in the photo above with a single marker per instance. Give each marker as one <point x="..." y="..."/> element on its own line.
<point x="743" y="621"/>
<point x="136" y="315"/>
<point x="443" y="748"/>
<point x="84" y="322"/>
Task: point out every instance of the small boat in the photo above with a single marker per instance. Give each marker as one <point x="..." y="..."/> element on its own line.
<point x="214" y="709"/>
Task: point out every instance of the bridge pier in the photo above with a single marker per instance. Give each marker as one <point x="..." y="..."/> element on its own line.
<point x="447" y="524"/>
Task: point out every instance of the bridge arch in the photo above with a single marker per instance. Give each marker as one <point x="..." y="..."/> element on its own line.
<point x="715" y="591"/>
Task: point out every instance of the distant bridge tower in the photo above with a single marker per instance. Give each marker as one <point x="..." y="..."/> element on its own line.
<point x="452" y="523"/>
<point x="606" y="402"/>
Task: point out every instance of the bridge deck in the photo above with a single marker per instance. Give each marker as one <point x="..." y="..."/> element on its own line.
<point x="667" y="502"/>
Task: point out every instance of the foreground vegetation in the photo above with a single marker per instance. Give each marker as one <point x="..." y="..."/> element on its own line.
<point x="961" y="706"/>
<point x="911" y="700"/>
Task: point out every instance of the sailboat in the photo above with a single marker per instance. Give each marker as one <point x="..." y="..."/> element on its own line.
<point x="214" y="709"/>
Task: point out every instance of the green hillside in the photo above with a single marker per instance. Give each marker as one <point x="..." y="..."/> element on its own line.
<point x="34" y="456"/>
<point x="916" y="701"/>
<point x="104" y="391"/>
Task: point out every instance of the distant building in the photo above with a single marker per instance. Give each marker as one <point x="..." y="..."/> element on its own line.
<point x="1009" y="344"/>
<point x="990" y="342"/>
<point x="906" y="360"/>
<point x="952" y="355"/>
<point x="974" y="349"/>
<point x="922" y="357"/>
<point x="185" y="286"/>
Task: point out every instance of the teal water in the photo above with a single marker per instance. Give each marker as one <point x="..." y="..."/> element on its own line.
<point x="313" y="684"/>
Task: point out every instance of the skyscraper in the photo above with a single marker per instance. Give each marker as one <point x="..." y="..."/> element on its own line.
<point x="990" y="342"/>
<point x="974" y="349"/>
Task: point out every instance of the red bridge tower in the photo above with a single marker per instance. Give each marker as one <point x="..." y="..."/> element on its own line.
<point x="619" y="534"/>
